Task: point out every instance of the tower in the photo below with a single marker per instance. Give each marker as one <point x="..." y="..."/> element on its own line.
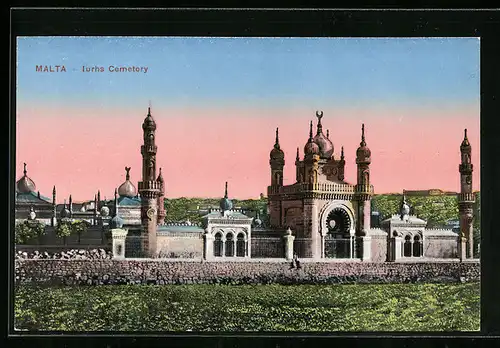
<point x="465" y="202"/>
<point x="149" y="188"/>
<point x="277" y="162"/>
<point x="161" y="198"/>
<point x="53" y="221"/>
<point x="363" y="194"/>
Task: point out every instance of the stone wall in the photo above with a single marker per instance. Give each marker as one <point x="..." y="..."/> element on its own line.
<point x="186" y="247"/>
<point x="379" y="248"/>
<point x="440" y="247"/>
<point x="76" y="272"/>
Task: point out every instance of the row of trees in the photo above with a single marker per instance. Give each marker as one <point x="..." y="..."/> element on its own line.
<point x="184" y="209"/>
<point x="28" y="230"/>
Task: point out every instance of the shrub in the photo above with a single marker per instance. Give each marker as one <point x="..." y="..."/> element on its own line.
<point x="28" y="230"/>
<point x="63" y="230"/>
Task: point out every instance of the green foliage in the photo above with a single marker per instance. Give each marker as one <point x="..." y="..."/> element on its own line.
<point x="183" y="209"/>
<point x="356" y="307"/>
<point x="27" y="230"/>
<point x="63" y="229"/>
<point x="436" y="210"/>
<point x="386" y="205"/>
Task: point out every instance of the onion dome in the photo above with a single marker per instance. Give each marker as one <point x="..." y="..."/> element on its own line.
<point x="465" y="143"/>
<point x="160" y="177"/>
<point x="116" y="221"/>
<point x="104" y="211"/>
<point x="225" y="203"/>
<point x="25" y="184"/>
<point x="32" y="215"/>
<point x="311" y="147"/>
<point x="149" y="122"/>
<point x="276" y="152"/>
<point x="127" y="189"/>
<point x="404" y="209"/>
<point x="324" y="144"/>
<point x="64" y="211"/>
<point x="363" y="153"/>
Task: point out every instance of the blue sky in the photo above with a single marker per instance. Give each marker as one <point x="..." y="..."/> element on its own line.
<point x="245" y="71"/>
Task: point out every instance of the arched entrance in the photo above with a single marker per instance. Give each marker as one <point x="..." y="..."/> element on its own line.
<point x="338" y="242"/>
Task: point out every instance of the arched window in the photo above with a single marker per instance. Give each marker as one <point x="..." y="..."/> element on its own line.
<point x="229" y="245"/>
<point x="218" y="244"/>
<point x="417" y="246"/>
<point x="240" y="245"/>
<point x="407" y="247"/>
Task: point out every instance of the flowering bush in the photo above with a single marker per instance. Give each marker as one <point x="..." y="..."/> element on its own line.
<point x="27" y="230"/>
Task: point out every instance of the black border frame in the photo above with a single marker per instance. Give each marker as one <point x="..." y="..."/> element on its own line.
<point x="290" y="22"/>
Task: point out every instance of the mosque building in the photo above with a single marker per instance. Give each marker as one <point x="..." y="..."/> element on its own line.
<point x="320" y="216"/>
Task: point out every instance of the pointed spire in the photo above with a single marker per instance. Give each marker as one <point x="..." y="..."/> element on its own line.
<point x="54" y="191"/>
<point x="149" y="110"/>
<point x="116" y="202"/>
<point x="328" y="134"/>
<point x="297" y="157"/>
<point x="277" y="142"/>
<point x="38" y="194"/>
<point x="342" y="153"/>
<point x="25" y="171"/>
<point x="363" y="142"/>
<point x="70" y="204"/>
<point x="465" y="142"/>
<point x="319" y="115"/>
<point x="311" y="131"/>
<point x="225" y="192"/>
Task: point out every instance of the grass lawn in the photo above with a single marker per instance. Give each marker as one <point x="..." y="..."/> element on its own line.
<point x="358" y="307"/>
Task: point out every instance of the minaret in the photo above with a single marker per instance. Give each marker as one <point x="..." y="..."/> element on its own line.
<point x="53" y="221"/>
<point x="161" y="198"/>
<point x="70" y="206"/>
<point x="465" y="202"/>
<point x="277" y="162"/>
<point x="363" y="195"/>
<point x="149" y="188"/>
<point x="341" y="167"/>
<point x="95" y="210"/>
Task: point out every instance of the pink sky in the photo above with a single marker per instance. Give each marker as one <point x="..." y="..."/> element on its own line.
<point x="81" y="150"/>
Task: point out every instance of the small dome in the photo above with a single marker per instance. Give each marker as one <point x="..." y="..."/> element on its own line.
<point x="149" y="122"/>
<point x="127" y="189"/>
<point x="25" y="184"/>
<point x="277" y="154"/>
<point x="363" y="153"/>
<point x="257" y="221"/>
<point x="65" y="211"/>
<point x="226" y="204"/>
<point x="104" y="211"/>
<point x="311" y="148"/>
<point x="32" y="214"/>
<point x="325" y="145"/>
<point x="116" y="222"/>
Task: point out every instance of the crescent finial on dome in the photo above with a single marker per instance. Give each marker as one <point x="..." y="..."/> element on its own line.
<point x="225" y="192"/>
<point x="342" y="153"/>
<point x="25" y="171"/>
<point x="319" y="115"/>
<point x="277" y="142"/>
<point x="127" y="175"/>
